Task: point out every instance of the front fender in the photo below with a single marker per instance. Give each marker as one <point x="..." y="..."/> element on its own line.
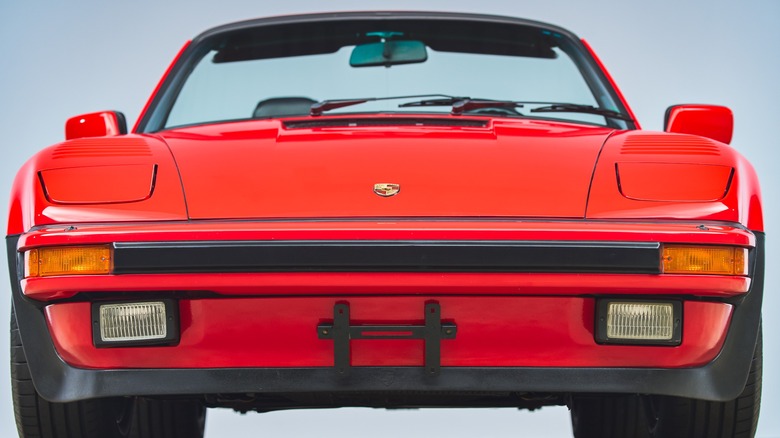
<point x="675" y="155"/>
<point x="96" y="162"/>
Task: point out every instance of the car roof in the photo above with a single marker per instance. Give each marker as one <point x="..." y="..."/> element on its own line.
<point x="378" y="16"/>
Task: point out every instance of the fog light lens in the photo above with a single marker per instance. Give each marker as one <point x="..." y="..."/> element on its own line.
<point x="633" y="322"/>
<point x="640" y="321"/>
<point x="140" y="323"/>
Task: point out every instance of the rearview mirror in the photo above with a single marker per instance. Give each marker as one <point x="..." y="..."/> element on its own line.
<point x="98" y="124"/>
<point x="388" y="53"/>
<point x="711" y="121"/>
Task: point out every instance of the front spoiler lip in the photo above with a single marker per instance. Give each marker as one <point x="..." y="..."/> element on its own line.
<point x="722" y="379"/>
<point x="62" y="383"/>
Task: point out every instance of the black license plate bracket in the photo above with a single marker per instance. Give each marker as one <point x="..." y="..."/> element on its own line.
<point x="342" y="333"/>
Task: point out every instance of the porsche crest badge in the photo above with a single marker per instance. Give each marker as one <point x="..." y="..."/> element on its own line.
<point x="386" y="189"/>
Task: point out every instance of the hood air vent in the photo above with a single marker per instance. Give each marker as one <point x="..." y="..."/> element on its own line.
<point x="102" y="147"/>
<point x="384" y="121"/>
<point x="665" y="144"/>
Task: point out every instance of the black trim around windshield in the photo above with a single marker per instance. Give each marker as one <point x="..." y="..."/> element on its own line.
<point x="155" y="116"/>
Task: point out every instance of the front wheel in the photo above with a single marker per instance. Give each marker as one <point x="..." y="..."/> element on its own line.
<point x="674" y="417"/>
<point x="120" y="417"/>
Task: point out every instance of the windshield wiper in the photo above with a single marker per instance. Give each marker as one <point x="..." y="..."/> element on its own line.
<point x="472" y="104"/>
<point x="326" y="105"/>
<point x="462" y="104"/>
<point x="448" y="101"/>
<point x="578" y="108"/>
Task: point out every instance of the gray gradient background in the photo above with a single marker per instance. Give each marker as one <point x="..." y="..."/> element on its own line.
<point x="62" y="59"/>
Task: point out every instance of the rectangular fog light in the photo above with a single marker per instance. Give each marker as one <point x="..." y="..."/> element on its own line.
<point x="134" y="323"/>
<point x="639" y="322"/>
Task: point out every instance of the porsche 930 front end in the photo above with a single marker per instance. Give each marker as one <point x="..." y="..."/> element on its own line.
<point x="371" y="209"/>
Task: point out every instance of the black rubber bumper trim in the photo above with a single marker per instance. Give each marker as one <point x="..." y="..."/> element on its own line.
<point x="392" y="256"/>
<point x="722" y="379"/>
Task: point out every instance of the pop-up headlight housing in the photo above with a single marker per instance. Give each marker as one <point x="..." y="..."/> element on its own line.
<point x="673" y="182"/>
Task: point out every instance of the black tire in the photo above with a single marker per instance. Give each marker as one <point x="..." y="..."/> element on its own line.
<point x="609" y="416"/>
<point x="122" y="417"/>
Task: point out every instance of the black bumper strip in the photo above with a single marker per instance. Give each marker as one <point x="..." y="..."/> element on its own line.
<point x="386" y="256"/>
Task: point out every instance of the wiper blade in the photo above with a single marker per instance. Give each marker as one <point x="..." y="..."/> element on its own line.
<point x="578" y="108"/>
<point x="462" y="104"/>
<point x="326" y="105"/>
<point x="448" y="101"/>
<point x="472" y="104"/>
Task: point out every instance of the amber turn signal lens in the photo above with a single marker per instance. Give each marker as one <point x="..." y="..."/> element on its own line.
<point x="68" y="260"/>
<point x="712" y="260"/>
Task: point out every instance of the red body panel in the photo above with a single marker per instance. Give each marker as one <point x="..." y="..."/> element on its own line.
<point x="390" y="229"/>
<point x="660" y="181"/>
<point x="98" y="184"/>
<point x="362" y="283"/>
<point x="740" y="204"/>
<point x="492" y="331"/>
<point x="30" y="207"/>
<point x="504" y="169"/>
<point x="511" y="168"/>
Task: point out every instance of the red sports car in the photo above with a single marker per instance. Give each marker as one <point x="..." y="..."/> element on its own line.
<point x="387" y="209"/>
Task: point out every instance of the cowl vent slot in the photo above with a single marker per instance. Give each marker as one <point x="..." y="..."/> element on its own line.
<point x="384" y="121"/>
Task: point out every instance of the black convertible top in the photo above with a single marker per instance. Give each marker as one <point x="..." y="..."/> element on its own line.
<point x="378" y="16"/>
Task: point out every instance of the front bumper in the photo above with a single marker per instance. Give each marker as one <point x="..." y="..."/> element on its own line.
<point x="66" y="367"/>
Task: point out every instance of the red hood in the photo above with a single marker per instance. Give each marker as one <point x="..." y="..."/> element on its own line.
<point x="264" y="169"/>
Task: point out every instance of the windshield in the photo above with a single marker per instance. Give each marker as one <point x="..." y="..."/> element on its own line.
<point x="277" y="73"/>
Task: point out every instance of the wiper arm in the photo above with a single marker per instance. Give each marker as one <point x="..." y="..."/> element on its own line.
<point x="463" y="104"/>
<point x="578" y="108"/>
<point x="326" y="105"/>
